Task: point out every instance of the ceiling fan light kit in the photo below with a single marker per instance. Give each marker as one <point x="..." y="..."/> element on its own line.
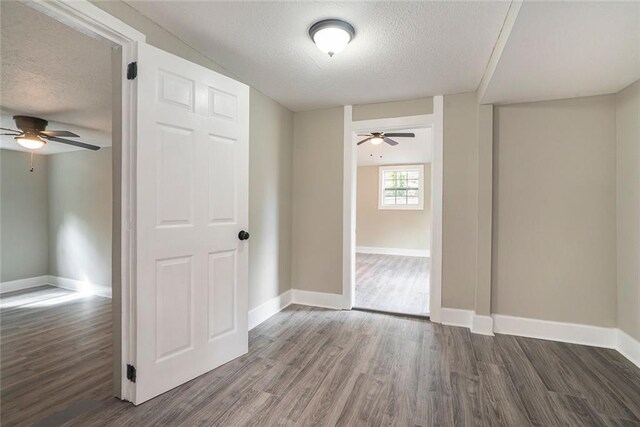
<point x="378" y="138"/>
<point x="332" y="35"/>
<point x="33" y="134"/>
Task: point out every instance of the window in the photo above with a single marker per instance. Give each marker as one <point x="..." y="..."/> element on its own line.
<point x="401" y="187"/>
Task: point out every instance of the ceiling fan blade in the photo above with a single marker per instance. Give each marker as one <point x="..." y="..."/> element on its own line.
<point x="10" y="134"/>
<point x="407" y="135"/>
<point x="18" y="132"/>
<point x="364" y="134"/>
<point x="59" y="133"/>
<point x="364" y="140"/>
<point x="75" y="143"/>
<point x="390" y="141"/>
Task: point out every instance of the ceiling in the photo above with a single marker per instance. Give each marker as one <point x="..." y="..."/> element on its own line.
<point x="54" y="72"/>
<point x="402" y="50"/>
<point x="408" y="150"/>
<point x="568" y="49"/>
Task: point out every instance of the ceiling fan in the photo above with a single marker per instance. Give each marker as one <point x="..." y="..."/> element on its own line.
<point x="32" y="134"/>
<point x="377" y="138"/>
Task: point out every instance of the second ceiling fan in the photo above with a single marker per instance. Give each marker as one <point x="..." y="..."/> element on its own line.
<point x="377" y="138"/>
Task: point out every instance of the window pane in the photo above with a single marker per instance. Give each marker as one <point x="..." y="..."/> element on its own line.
<point x="389" y="200"/>
<point x="412" y="201"/>
<point x="389" y="193"/>
<point x="401" y="193"/>
<point x="414" y="183"/>
<point x="401" y="201"/>
<point x="402" y="183"/>
<point x="389" y="184"/>
<point x="413" y="174"/>
<point x="413" y="193"/>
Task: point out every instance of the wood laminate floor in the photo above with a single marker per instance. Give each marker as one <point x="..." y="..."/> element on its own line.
<point x="311" y="366"/>
<point x="55" y="352"/>
<point x="391" y="283"/>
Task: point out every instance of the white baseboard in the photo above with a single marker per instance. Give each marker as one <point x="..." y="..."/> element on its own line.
<point x="318" y="299"/>
<point x="17" y="285"/>
<point x="393" y="251"/>
<point x="628" y="347"/>
<point x="573" y="333"/>
<point x="482" y="325"/>
<point x="80" y="286"/>
<point x="271" y="307"/>
<point x="60" y="282"/>
<point x="555" y="331"/>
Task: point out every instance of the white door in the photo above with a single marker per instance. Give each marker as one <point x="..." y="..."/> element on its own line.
<point x="192" y="202"/>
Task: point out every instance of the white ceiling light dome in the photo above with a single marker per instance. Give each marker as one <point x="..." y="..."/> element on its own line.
<point x="332" y="35"/>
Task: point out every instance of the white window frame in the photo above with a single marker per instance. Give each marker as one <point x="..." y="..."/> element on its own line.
<point x="401" y="168"/>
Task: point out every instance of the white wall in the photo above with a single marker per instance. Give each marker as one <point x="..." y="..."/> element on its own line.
<point x="628" y="208"/>
<point x="80" y="212"/>
<point x="23" y="212"/>
<point x="390" y="228"/>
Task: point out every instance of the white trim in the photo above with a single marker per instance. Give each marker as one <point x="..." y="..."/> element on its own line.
<point x="482" y="325"/>
<point x="80" y="286"/>
<point x="628" y="347"/>
<point x="269" y="308"/>
<point x="424" y="253"/>
<point x="573" y="333"/>
<point x="20" y="284"/>
<point x="349" y="182"/>
<point x="60" y="282"/>
<point x="381" y="187"/>
<point x="318" y="299"/>
<point x="555" y="331"/>
<point x="91" y="20"/>
<point x="437" y="186"/>
<point x="392" y="123"/>
<point x="350" y="127"/>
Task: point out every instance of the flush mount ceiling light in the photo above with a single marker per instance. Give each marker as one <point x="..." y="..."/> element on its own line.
<point x="331" y="35"/>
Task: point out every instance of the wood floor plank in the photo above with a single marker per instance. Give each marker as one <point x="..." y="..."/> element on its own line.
<point x="310" y="366"/>
<point x="391" y="283"/>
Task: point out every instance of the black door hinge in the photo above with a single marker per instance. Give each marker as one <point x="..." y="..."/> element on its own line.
<point x="132" y="70"/>
<point x="131" y="373"/>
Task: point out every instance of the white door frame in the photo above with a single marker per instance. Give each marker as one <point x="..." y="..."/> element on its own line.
<point x="93" y="21"/>
<point x="434" y="121"/>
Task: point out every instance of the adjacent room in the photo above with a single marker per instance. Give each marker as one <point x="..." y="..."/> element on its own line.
<point x="240" y="213"/>
<point x="393" y="221"/>
<point x="56" y="217"/>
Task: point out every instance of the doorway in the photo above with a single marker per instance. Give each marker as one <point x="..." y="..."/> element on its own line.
<point x="393" y="221"/>
<point x="57" y="218"/>
<point x="432" y="124"/>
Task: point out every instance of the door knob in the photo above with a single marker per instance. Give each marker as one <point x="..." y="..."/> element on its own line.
<point x="243" y="235"/>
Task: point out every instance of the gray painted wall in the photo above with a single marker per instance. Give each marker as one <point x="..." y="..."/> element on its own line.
<point x="555" y="213"/>
<point x="57" y="220"/>
<point x="390" y="228"/>
<point x="80" y="211"/>
<point x="23" y="212"/>
<point x="628" y="208"/>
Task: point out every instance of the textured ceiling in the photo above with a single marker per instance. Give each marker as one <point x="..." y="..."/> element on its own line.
<point x="568" y="49"/>
<point x="52" y="71"/>
<point x="408" y="150"/>
<point x="402" y="50"/>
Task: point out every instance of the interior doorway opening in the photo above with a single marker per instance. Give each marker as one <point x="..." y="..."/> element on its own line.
<point x="60" y="204"/>
<point x="393" y="220"/>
